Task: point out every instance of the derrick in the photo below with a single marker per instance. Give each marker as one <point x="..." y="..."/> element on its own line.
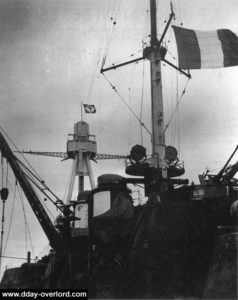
<point x="34" y="201"/>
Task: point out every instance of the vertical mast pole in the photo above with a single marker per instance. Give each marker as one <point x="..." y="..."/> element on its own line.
<point x="158" y="136"/>
<point x="153" y="22"/>
<point x="81" y="111"/>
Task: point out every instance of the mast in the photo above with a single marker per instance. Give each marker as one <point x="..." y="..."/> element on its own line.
<point x="155" y="53"/>
<point x="157" y="112"/>
<point x="81" y="148"/>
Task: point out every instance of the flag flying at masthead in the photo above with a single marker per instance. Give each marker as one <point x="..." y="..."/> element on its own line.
<point x="89" y="108"/>
<point x="206" y="49"/>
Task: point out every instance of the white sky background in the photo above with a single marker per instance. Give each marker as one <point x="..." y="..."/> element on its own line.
<point x="48" y="53"/>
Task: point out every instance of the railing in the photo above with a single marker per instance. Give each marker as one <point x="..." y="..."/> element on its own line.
<point x="89" y="138"/>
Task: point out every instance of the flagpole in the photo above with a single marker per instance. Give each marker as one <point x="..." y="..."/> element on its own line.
<point x="81" y="110"/>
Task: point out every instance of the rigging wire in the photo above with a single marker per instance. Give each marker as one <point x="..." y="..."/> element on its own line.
<point x="7" y="173"/>
<point x="22" y="155"/>
<point x="177" y="100"/>
<point x="129" y="126"/>
<point x="147" y="19"/>
<point x="45" y="206"/>
<point x="113" y="18"/>
<point x="114" y="22"/>
<point x="33" y="172"/>
<point x="162" y="19"/>
<point x="145" y="33"/>
<point x="30" y="175"/>
<point x="177" y="105"/>
<point x="178" y="12"/>
<point x="42" y="190"/>
<point x="96" y="69"/>
<point x="43" y="202"/>
<point x="175" y="122"/>
<point x="130" y="81"/>
<point x="122" y="98"/>
<point x="2" y="233"/>
<point x="11" y="218"/>
<point x="128" y="106"/>
<point x="3" y="214"/>
<point x="142" y="100"/>
<point x="27" y="230"/>
<point x="15" y="257"/>
<point x="8" y="182"/>
<point x="59" y="201"/>
<point x="37" y="177"/>
<point x="67" y="184"/>
<point x="127" y="94"/>
<point x="117" y="62"/>
<point x="110" y="117"/>
<point x="174" y="127"/>
<point x="24" y="214"/>
<point x="2" y="161"/>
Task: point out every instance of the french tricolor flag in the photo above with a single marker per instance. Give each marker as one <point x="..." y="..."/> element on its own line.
<point x="206" y="49"/>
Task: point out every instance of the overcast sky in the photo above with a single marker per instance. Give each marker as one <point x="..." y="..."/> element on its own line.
<point x="49" y="51"/>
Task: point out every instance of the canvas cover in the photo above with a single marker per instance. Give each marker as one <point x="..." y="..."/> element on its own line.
<point x="116" y="223"/>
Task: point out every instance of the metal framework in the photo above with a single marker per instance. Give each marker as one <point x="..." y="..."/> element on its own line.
<point x="64" y="155"/>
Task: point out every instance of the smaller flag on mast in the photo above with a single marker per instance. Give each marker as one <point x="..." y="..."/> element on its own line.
<point x="206" y="49"/>
<point x="89" y="108"/>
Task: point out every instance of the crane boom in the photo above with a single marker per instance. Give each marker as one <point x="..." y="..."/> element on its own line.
<point x="65" y="156"/>
<point x="35" y="203"/>
<point x="220" y="174"/>
<point x="52" y="154"/>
